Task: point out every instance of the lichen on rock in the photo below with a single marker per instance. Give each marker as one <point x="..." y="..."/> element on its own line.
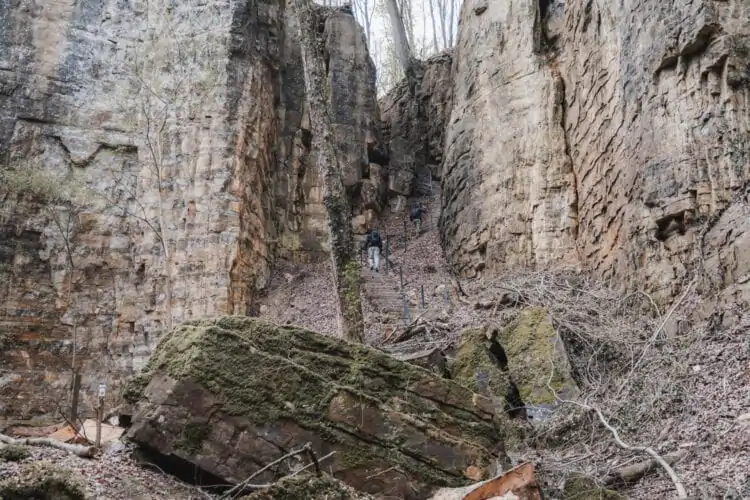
<point x="533" y="348"/>
<point x="260" y="388"/>
<point x="42" y="481"/>
<point x="477" y="368"/>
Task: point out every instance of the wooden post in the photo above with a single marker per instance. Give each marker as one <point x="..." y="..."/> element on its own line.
<point x="100" y="415"/>
<point x="406" y="235"/>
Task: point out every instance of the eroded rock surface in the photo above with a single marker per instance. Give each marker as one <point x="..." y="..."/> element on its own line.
<point x="190" y="137"/>
<point x="414" y="121"/>
<point x="229" y="395"/>
<point x="610" y="135"/>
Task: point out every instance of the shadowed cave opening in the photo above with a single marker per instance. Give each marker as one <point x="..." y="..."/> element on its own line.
<point x="181" y="469"/>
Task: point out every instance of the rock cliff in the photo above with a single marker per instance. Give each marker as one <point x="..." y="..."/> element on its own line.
<point x="414" y="124"/>
<point x="184" y="131"/>
<point x="613" y="136"/>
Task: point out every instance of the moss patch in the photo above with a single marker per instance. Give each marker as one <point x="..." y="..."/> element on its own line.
<point x="532" y="346"/>
<point x="476" y="368"/>
<point x="14" y="453"/>
<point x="580" y="487"/>
<point x="193" y="435"/>
<point x="43" y="481"/>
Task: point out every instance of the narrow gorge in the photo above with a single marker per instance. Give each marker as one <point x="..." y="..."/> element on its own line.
<point x="584" y="167"/>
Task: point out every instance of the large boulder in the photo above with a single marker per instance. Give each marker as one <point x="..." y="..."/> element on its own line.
<point x="232" y="394"/>
<point x="533" y="348"/>
<point x="481" y="365"/>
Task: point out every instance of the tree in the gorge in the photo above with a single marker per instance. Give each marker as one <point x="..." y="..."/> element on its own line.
<point x="345" y="267"/>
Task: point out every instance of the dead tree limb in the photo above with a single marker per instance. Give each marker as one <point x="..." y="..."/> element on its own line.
<point x="681" y="492"/>
<point x="305" y="450"/>
<point x="654" y="335"/>
<point x="76" y="449"/>
<point x="632" y="473"/>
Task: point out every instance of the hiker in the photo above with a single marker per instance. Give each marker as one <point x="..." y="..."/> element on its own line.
<point x="373" y="245"/>
<point x="416" y="216"/>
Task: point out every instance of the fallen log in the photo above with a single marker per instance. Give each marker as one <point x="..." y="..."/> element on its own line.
<point x="76" y="449"/>
<point x="633" y="473"/>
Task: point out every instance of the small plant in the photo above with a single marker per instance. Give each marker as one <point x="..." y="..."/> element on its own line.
<point x="14" y="453"/>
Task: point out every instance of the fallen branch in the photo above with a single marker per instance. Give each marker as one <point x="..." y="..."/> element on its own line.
<point x="681" y="492"/>
<point x="305" y="450"/>
<point x="632" y="473"/>
<point x="651" y="340"/>
<point x="76" y="449"/>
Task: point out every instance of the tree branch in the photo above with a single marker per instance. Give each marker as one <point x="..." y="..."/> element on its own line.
<point x="76" y="449"/>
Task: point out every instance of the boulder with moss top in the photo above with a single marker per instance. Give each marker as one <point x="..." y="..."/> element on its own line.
<point x="42" y="481"/>
<point x="232" y="394"/>
<point x="481" y="365"/>
<point x="532" y="347"/>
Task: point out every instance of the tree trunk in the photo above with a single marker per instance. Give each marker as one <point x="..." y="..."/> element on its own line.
<point x="400" y="40"/>
<point x="434" y="26"/>
<point x="345" y="269"/>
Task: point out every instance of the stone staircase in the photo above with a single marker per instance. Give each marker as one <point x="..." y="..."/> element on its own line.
<point x="409" y="254"/>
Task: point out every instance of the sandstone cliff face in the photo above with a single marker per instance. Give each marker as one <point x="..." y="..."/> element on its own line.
<point x="354" y="114"/>
<point x="169" y="117"/>
<point x="414" y="123"/>
<point x="609" y="135"/>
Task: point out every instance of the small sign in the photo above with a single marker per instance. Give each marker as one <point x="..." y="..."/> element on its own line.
<point x="102" y="390"/>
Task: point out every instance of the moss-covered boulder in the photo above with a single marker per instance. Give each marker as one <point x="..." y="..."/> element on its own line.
<point x="232" y="394"/>
<point x="579" y="487"/>
<point x="308" y="486"/>
<point x="42" y="481"/>
<point x="532" y="347"/>
<point x="480" y="365"/>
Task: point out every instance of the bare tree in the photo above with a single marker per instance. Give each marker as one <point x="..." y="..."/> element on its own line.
<point x="62" y="199"/>
<point x="338" y="212"/>
<point x="400" y="38"/>
<point x="364" y="11"/>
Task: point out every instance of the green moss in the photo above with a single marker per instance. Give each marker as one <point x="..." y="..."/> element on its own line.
<point x="42" y="481"/>
<point x="265" y="373"/>
<point x="532" y="346"/>
<point x="475" y="367"/>
<point x="193" y="435"/>
<point x="579" y="487"/>
<point x="14" y="453"/>
<point x="308" y="486"/>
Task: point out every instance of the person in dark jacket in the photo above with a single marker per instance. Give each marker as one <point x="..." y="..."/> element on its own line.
<point x="373" y="245"/>
<point x="416" y="216"/>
